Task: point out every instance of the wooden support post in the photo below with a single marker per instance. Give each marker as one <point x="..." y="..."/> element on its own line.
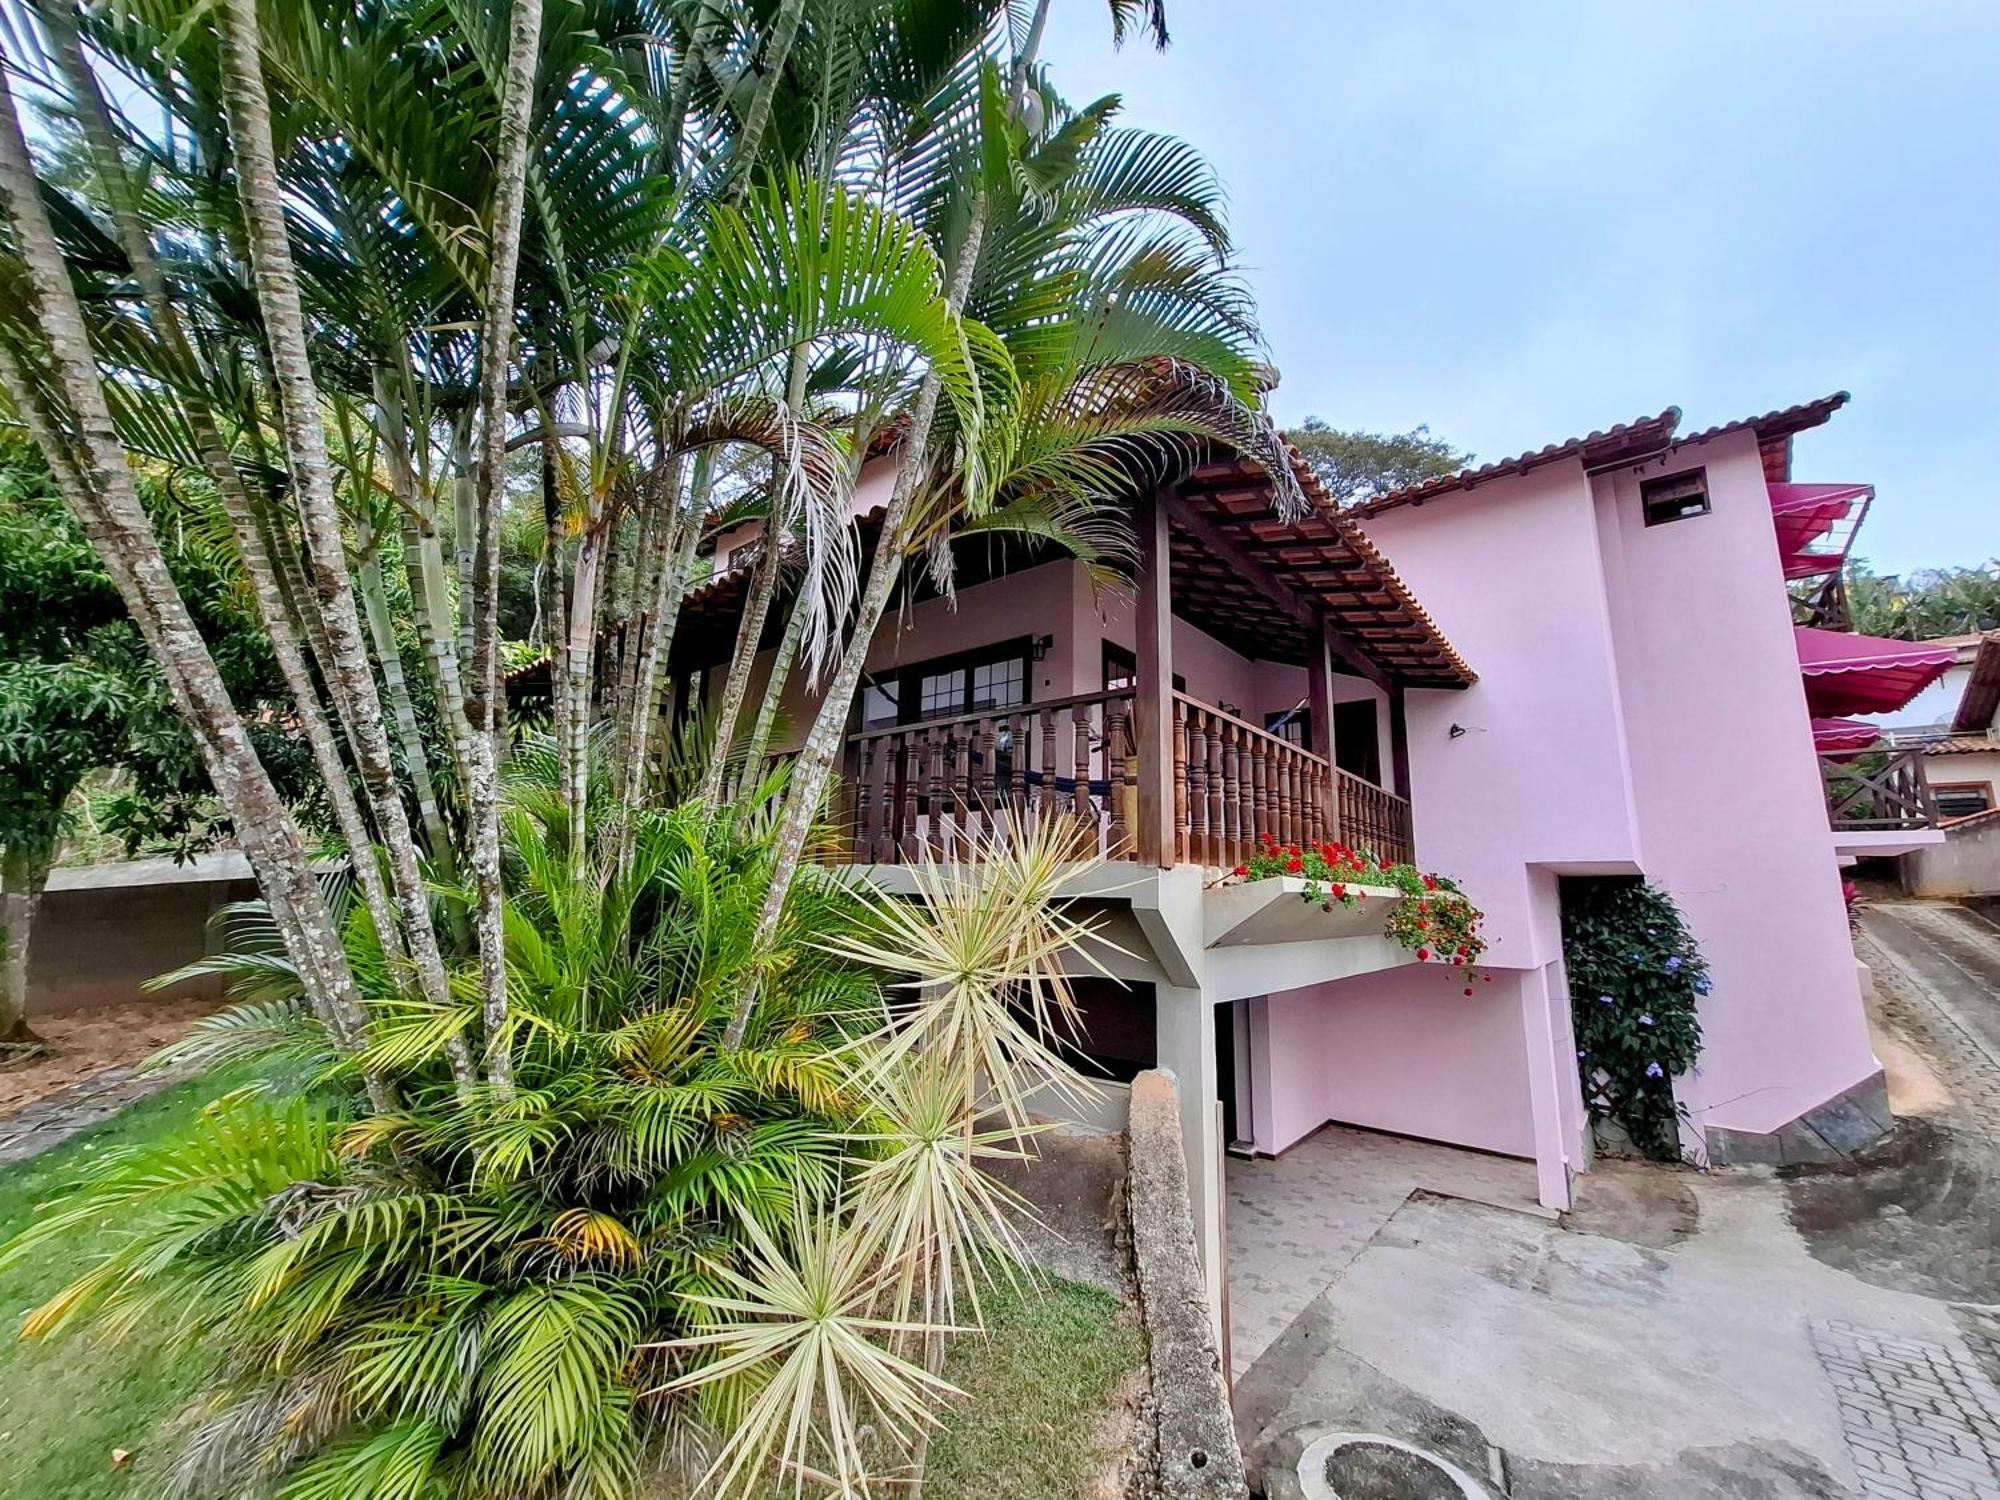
<point x="1152" y="704"/>
<point x="1399" y="740"/>
<point x="1319" y="700"/>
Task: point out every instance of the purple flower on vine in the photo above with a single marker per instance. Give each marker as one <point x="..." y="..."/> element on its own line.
<point x="1606" y="1000"/>
<point x="1654" y="1070"/>
<point x="1646" y="1020"/>
<point x="1674" y="964"/>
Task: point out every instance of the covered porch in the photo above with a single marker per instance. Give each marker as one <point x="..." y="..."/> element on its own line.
<point x="1250" y="679"/>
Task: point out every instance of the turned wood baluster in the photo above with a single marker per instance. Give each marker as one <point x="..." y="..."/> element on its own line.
<point x="1197" y="783"/>
<point x="1217" y="795"/>
<point x="864" y="810"/>
<point x="911" y="772"/>
<point x="934" y="787"/>
<point x="1246" y="798"/>
<point x="1045" y="797"/>
<point x="983" y="735"/>
<point x="1183" y="853"/>
<point x="1288" y="801"/>
<point x="1232" y="807"/>
<point x="1017" y="749"/>
<point x="1260" y="792"/>
<point x="961" y="787"/>
<point x="1079" y="723"/>
<point x="1117" y="834"/>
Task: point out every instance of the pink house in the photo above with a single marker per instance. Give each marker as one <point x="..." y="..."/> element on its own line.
<point x="1604" y="675"/>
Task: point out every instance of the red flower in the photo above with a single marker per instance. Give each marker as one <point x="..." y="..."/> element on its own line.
<point x="1430" y="882"/>
<point x="1242" y="869"/>
<point x="1386" y="865"/>
<point x="1295" y="865"/>
<point x="1468" y="989"/>
<point x="1423" y="955"/>
<point x="1339" y="891"/>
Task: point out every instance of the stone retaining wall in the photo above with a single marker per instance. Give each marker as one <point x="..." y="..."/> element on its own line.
<point x="1197" y="1456"/>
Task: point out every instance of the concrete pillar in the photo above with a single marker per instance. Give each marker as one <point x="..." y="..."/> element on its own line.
<point x="1545" y="1084"/>
<point x="1184" y="1025"/>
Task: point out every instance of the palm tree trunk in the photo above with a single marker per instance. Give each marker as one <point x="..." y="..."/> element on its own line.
<point x="812" y="773"/>
<point x="668" y="527"/>
<point x="92" y="473"/>
<point x="759" y="743"/>
<point x="275" y="609"/>
<point x="649" y="702"/>
<point x="579" y="652"/>
<point x="496" y="352"/>
<point x="423" y="564"/>
<point x="465" y="528"/>
<point x="777" y="53"/>
<point x="248" y="110"/>
<point x="381" y="622"/>
<point x="742" y="661"/>
<point x="24" y="870"/>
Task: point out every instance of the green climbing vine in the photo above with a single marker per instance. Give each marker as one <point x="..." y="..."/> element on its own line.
<point x="1636" y="979"/>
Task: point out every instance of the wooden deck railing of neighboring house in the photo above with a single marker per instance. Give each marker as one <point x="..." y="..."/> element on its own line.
<point x="1878" y="791"/>
<point x="1823" y="605"/>
<point x="940" y="785"/>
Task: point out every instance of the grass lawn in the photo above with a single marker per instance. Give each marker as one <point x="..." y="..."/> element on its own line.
<point x="66" y="1403"/>
<point x="1039" y="1393"/>
<point x="1039" y="1388"/>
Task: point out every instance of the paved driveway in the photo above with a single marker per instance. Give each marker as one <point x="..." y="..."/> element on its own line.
<point x="1680" y="1336"/>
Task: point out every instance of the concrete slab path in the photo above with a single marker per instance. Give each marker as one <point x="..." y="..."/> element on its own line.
<point x="1830" y="1333"/>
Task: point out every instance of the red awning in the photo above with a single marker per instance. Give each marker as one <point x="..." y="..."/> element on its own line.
<point x="1864" y="674"/>
<point x="1831" y="735"/>
<point x="1805" y="514"/>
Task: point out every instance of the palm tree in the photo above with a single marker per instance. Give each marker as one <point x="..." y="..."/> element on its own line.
<point x="63" y="404"/>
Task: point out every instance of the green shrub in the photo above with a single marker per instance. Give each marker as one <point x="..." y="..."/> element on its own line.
<point x="1636" y="978"/>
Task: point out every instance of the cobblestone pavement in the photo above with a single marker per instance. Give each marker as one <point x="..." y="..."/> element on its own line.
<point x="49" y="1122"/>
<point x="1921" y="1418"/>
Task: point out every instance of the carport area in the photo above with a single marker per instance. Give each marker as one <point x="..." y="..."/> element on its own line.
<point x="1406" y="1322"/>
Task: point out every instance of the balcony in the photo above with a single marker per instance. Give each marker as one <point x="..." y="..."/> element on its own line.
<point x="1878" y="792"/>
<point x="934" y="788"/>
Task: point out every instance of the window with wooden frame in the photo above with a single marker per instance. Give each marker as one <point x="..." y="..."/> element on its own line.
<point x="988" y="679"/>
<point x="1674" y="497"/>
<point x="1961" y="799"/>
<point x="1121" y="669"/>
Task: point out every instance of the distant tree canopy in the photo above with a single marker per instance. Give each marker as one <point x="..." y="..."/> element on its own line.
<point x="79" y="693"/>
<point x="1355" y="465"/>
<point x="1924" y="604"/>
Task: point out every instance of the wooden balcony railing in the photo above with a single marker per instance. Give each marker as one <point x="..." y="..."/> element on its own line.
<point x="1233" y="781"/>
<point x="1878" y="791"/>
<point x="937" y="785"/>
<point x="940" y="785"/>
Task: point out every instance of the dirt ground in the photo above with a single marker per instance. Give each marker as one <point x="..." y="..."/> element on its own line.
<point x="77" y="1046"/>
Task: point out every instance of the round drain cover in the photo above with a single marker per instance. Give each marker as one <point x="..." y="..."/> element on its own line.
<point x="1368" y="1466"/>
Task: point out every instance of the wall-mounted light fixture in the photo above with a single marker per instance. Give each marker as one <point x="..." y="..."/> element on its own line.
<point x="1040" y="646"/>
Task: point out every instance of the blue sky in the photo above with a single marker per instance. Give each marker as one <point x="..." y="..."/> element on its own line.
<point x="1521" y="221"/>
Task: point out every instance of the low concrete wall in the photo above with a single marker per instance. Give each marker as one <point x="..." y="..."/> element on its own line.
<point x="1196" y="1448"/>
<point x="102" y="931"/>
<point x="1967" y="863"/>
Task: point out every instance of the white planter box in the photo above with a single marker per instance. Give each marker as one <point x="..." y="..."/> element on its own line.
<point x="1275" y="911"/>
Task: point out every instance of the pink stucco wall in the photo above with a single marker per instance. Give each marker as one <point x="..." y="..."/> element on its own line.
<point x="1639" y="710"/>
<point x="1732" y="813"/>
<point x="1403" y="1050"/>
